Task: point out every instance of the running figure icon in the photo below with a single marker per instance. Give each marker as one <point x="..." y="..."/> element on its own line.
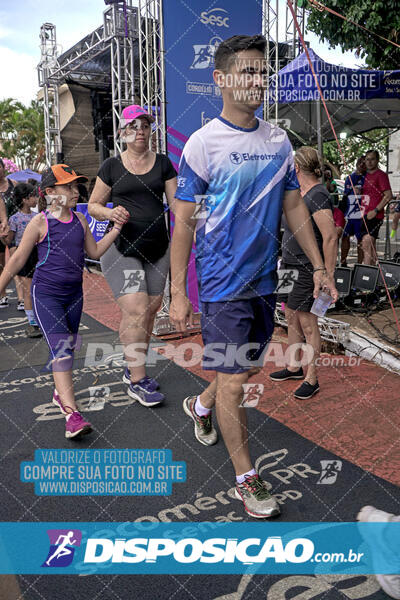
<point x="62" y="546"/>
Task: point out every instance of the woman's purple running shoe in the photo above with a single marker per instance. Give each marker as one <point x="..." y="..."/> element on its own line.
<point x="153" y="385"/>
<point x="76" y="425"/>
<point x="143" y="392"/>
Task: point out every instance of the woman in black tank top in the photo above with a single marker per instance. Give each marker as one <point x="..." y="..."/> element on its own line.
<point x="6" y="193"/>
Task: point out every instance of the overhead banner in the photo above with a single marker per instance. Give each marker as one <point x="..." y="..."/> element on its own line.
<point x="192" y="32"/>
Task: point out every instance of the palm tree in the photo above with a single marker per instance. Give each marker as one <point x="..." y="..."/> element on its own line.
<point x="22" y="133"/>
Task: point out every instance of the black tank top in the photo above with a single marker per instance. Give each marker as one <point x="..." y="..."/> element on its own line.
<point x="8" y="198"/>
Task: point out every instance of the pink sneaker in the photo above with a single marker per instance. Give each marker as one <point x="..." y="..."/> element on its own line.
<point x="76" y="425"/>
<point x="57" y="401"/>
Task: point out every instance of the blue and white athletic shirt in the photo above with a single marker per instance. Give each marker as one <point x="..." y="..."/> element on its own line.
<point x="238" y="178"/>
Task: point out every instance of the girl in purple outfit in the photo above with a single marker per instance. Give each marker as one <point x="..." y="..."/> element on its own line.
<point x="61" y="236"/>
<point x="25" y="199"/>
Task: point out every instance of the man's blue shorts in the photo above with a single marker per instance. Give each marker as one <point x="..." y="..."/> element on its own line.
<point x="353" y="227"/>
<point x="236" y="333"/>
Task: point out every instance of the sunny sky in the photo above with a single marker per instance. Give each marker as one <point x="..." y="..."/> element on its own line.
<point x="20" y="22"/>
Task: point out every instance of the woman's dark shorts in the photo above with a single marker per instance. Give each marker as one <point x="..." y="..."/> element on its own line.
<point x="301" y="296"/>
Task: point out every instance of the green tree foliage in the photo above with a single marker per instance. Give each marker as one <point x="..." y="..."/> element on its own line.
<point x="22" y="133"/>
<point x="381" y="17"/>
<point x="355" y="146"/>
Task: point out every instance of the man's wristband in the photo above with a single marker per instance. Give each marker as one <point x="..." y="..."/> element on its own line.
<point x="319" y="269"/>
<point x="376" y="210"/>
<point x="117" y="228"/>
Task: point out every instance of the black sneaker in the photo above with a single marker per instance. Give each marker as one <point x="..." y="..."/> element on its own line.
<point x="306" y="390"/>
<point x="286" y="374"/>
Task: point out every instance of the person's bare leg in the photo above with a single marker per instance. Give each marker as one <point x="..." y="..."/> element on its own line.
<point x="64" y="385"/>
<point x="26" y="287"/>
<point x="2" y="263"/>
<point x="133" y="331"/>
<point x="295" y="336"/>
<point x="309" y="326"/>
<point x="153" y="308"/>
<point x="360" y="252"/>
<point x="395" y="221"/>
<point x="345" y="248"/>
<point x="208" y="396"/>
<point x="18" y="281"/>
<point x="368" y="249"/>
<point x="232" y="419"/>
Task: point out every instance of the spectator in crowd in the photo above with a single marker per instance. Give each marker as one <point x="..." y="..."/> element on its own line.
<point x="301" y="322"/>
<point x="396" y="218"/>
<point x="25" y="199"/>
<point x="352" y="209"/>
<point x="376" y="194"/>
<point x="331" y="185"/>
<point x="7" y="208"/>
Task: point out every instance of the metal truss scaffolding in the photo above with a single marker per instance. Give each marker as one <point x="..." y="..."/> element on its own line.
<point x="48" y="60"/>
<point x="152" y="70"/>
<point x="117" y="36"/>
<point x="152" y="96"/>
<point x="291" y="34"/>
<point x="283" y="44"/>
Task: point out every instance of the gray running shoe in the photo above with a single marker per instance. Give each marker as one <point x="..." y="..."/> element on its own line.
<point x="33" y="331"/>
<point x="257" y="500"/>
<point x="203" y="429"/>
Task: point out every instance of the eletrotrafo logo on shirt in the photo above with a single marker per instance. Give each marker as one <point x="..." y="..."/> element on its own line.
<point x="238" y="157"/>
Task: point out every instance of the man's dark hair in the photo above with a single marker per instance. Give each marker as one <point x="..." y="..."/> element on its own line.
<point x="1" y="162"/>
<point x="373" y="152"/>
<point x="228" y="48"/>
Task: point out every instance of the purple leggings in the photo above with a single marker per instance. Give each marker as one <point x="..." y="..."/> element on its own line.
<point x="58" y="316"/>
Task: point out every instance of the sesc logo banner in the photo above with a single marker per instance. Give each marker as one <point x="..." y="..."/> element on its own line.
<point x="215" y="16"/>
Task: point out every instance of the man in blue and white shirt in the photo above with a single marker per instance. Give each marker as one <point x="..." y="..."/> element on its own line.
<point x="236" y="175"/>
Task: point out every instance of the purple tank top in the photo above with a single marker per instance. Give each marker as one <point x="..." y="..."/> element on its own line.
<point x="61" y="254"/>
